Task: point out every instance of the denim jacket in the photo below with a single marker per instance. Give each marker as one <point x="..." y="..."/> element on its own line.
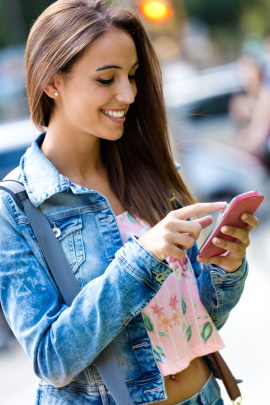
<point x="117" y="281"/>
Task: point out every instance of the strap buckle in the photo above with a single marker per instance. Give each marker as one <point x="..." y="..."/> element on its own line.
<point x="237" y="401"/>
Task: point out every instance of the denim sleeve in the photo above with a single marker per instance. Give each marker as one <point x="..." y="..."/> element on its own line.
<point x="62" y="341"/>
<point x="219" y="291"/>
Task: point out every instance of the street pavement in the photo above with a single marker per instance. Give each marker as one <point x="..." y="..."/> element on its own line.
<point x="246" y="335"/>
<point x="247" y="331"/>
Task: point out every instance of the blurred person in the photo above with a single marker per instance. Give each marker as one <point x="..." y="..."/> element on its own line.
<point x="251" y="109"/>
<point x="104" y="176"/>
<point x="250" y="75"/>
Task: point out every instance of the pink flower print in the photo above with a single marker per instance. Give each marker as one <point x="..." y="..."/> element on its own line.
<point x="176" y="317"/>
<point x="165" y="323"/>
<point x="186" y="266"/>
<point x="173" y="302"/>
<point x="158" y="310"/>
<point x="177" y="270"/>
<point x="173" y="260"/>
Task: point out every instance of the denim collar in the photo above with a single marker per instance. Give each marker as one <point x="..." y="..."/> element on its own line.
<point x="41" y="178"/>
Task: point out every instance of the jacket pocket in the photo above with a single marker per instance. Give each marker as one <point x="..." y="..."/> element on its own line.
<point x="69" y="233"/>
<point x="70" y="237"/>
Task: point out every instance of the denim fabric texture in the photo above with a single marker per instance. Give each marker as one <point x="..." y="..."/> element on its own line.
<point x="117" y="283"/>
<point x="209" y="394"/>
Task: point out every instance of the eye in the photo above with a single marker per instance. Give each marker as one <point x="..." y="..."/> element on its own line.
<point x="131" y="77"/>
<point x="105" y="82"/>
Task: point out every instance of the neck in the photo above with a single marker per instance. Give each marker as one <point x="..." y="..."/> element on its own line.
<point x="76" y="157"/>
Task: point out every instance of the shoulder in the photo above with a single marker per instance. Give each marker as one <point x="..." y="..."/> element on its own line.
<point x="15" y="174"/>
<point x="9" y="210"/>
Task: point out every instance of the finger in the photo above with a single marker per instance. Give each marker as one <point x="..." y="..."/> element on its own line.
<point x="181" y="240"/>
<point x="227" y="263"/>
<point x="242" y="235"/>
<point x="171" y="222"/>
<point x="237" y="249"/>
<point x="251" y="221"/>
<point x="199" y="208"/>
<point x="204" y="221"/>
<point x="191" y="228"/>
<point x="176" y="252"/>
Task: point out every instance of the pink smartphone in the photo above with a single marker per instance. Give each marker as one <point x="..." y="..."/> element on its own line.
<point x="247" y="202"/>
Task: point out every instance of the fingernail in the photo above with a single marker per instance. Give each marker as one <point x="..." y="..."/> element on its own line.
<point x="244" y="216"/>
<point x="222" y="204"/>
<point x="216" y="240"/>
<point x="224" y="229"/>
<point x="198" y="258"/>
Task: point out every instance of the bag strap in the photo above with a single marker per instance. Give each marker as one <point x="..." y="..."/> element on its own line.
<point x="228" y="379"/>
<point x="67" y="284"/>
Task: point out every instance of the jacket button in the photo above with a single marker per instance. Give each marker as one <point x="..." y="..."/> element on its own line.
<point x="160" y="277"/>
<point x="56" y="231"/>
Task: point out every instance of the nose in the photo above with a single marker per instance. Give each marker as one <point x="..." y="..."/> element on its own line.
<point x="127" y="93"/>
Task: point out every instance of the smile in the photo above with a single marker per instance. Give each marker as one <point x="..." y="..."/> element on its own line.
<point x="114" y="114"/>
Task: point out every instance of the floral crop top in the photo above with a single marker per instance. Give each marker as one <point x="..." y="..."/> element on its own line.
<point x="178" y="325"/>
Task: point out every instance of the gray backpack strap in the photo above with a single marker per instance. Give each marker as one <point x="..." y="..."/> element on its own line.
<point x="67" y="284"/>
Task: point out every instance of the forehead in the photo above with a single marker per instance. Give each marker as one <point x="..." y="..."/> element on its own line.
<point x="115" y="47"/>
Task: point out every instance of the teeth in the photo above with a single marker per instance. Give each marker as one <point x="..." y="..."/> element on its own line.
<point x="115" y="114"/>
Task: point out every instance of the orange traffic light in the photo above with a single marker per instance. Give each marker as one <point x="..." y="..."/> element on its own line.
<point x="155" y="10"/>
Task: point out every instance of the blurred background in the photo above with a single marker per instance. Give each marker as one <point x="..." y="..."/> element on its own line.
<point x="215" y="58"/>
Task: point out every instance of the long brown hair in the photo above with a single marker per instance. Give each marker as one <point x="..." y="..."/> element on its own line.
<point x="140" y="163"/>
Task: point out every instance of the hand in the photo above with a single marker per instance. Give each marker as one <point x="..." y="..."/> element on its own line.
<point x="237" y="250"/>
<point x="174" y="234"/>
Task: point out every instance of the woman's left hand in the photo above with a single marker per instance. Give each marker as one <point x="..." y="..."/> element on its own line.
<point x="237" y="250"/>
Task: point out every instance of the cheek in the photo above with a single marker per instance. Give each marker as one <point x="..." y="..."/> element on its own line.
<point x="134" y="89"/>
<point x="85" y="106"/>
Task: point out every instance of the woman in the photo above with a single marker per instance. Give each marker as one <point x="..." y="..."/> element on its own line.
<point x="104" y="176"/>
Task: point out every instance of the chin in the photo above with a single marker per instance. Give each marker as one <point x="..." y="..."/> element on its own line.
<point x="114" y="137"/>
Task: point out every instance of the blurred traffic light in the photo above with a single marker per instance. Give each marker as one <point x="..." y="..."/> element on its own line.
<point x="155" y="10"/>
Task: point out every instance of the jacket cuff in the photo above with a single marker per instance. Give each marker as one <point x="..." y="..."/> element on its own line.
<point x="142" y="264"/>
<point x="219" y="275"/>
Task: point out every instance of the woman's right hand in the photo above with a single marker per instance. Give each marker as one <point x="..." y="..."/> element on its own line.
<point x="174" y="234"/>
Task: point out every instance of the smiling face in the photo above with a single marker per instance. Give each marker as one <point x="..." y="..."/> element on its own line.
<point x="95" y="99"/>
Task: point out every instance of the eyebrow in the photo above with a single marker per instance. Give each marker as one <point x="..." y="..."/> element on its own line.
<point x="113" y="67"/>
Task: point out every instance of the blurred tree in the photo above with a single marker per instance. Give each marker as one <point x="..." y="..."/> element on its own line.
<point x="12" y="22"/>
<point x="230" y="21"/>
<point x="225" y="13"/>
<point x="222" y="12"/>
<point x="32" y="9"/>
<point x="16" y="18"/>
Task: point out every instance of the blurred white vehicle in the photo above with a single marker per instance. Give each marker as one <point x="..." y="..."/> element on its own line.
<point x="15" y="138"/>
<point x="203" y="135"/>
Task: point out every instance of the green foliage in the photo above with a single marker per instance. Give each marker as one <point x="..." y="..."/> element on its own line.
<point x="148" y="323"/>
<point x="189" y="332"/>
<point x="16" y="19"/>
<point x="158" y="352"/>
<point x="163" y="334"/>
<point x="214" y="12"/>
<point x="184" y="305"/>
<point x="206" y="331"/>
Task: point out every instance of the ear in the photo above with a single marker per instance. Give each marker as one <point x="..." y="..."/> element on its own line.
<point x="53" y="87"/>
